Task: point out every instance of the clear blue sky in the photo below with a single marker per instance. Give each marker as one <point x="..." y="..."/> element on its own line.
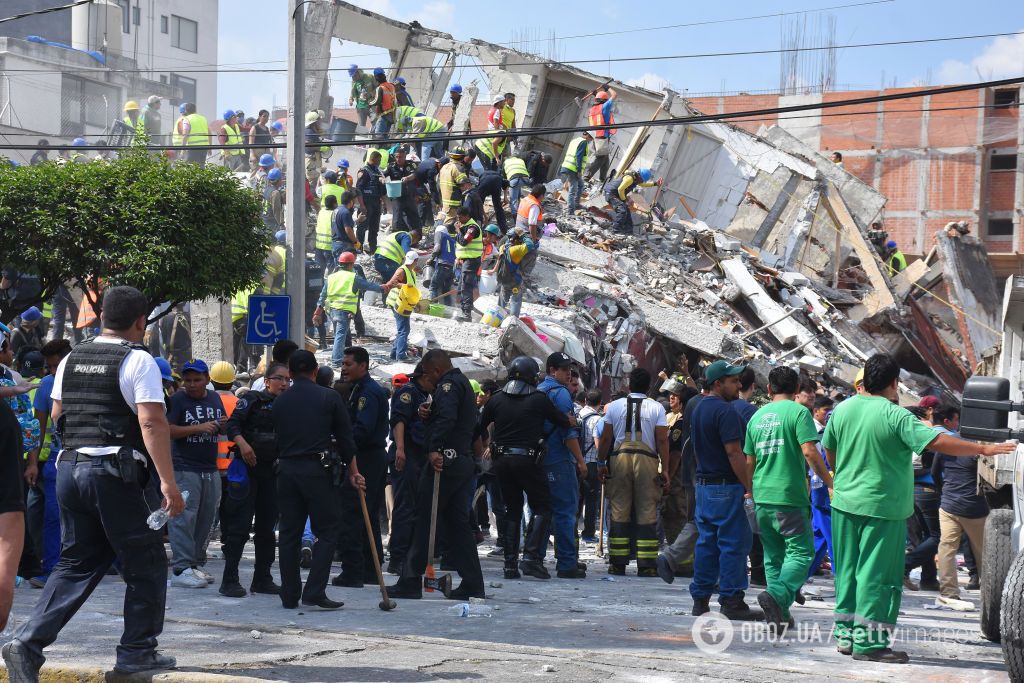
<point x="256" y="31"/>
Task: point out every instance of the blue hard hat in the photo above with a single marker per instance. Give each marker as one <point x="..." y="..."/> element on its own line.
<point x="343" y="163"/>
<point x="181" y="108"/>
<point x="165" y="369"/>
<point x="79" y="142"/>
<point x="276" y="125"/>
<point x="280" y="235"/>
<point x="352" y="69"/>
<point x="891" y="244"/>
<point x="13" y="163"/>
<point x="455" y="88"/>
<point x="400" y="81"/>
<point x="267" y="160"/>
<point x="645" y="175"/>
<point x="274" y="175"/>
<point x="228" y="114"/>
<point x="330" y="177"/>
<point x="378" y="71"/>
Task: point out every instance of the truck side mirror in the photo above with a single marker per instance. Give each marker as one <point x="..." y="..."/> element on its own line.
<point x="986" y="404"/>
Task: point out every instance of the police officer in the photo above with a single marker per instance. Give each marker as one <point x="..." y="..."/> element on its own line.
<point x="368" y="410"/>
<point x="452" y="420"/>
<point x="109" y="406"/>
<point x="408" y="456"/>
<point x="305" y="418"/>
<point x="252" y="486"/>
<point x="518" y="413"/>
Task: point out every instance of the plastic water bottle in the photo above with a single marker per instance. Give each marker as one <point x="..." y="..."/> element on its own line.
<point x="158" y="518"/>
<point x="748" y="507"/>
<point x="466" y="610"/>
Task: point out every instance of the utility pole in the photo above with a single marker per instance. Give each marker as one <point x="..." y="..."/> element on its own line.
<point x="296" y="187"/>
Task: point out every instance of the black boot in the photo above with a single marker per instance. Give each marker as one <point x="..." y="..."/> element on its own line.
<point x="511" y="549"/>
<point x="533" y="562"/>
<point x="407" y="588"/>
<point x="700" y="606"/>
<point x="229" y="584"/>
<point x="736" y="609"/>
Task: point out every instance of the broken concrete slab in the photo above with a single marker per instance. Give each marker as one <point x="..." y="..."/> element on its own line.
<point x="462" y="338"/>
<point x="687" y="329"/>
<point x="519" y="340"/>
<point x="786" y="331"/>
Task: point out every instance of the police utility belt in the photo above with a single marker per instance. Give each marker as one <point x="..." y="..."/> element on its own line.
<point x="535" y="454"/>
<point x="124" y="464"/>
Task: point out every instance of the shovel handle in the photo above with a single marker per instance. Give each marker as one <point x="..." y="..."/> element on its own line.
<point x="373" y="545"/>
<point x="433" y="527"/>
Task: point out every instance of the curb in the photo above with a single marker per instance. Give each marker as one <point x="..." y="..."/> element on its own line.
<point x="92" y="674"/>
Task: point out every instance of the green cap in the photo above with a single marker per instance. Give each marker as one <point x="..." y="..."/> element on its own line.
<point x="476" y="387"/>
<point x="720" y="369"/>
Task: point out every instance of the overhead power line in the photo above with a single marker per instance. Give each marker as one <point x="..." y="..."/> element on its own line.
<point x="46" y="10"/>
<point x="529" y="132"/>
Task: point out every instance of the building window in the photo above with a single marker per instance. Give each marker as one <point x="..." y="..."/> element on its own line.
<point x="85" y="102"/>
<point x="184" y="34"/>
<point x="125" y="15"/>
<point x="1004" y="99"/>
<point x="1000" y="227"/>
<point x="137" y="15"/>
<point x="187" y="85"/>
<point x="1003" y="162"/>
<point x="165" y="24"/>
<point x="163" y="78"/>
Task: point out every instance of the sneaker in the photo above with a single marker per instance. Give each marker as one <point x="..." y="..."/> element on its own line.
<point x="20" y="667"/>
<point x="153" y="662"/>
<point x="203" y="575"/>
<point x="496" y="551"/>
<point x="908" y="584"/>
<point x="188" y="579"/>
<point x="664" y="569"/>
<point x="883" y="656"/>
<point x="307" y="557"/>
<point x="955" y="604"/>
<point x="40" y="581"/>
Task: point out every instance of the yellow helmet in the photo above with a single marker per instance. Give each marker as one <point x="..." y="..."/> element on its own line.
<point x="859" y="379"/>
<point x="131" y="105"/>
<point x="222" y="372"/>
<point x="312" y="117"/>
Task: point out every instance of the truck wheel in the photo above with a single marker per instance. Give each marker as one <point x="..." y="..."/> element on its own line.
<point x="995" y="563"/>
<point x="1011" y="620"/>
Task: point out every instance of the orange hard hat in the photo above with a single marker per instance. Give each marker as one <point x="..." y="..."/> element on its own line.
<point x="347" y="258"/>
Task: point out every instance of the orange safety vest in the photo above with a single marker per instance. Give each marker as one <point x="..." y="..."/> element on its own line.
<point x="388" y="98"/>
<point x="597" y="119"/>
<point x="223" y="445"/>
<point x="527" y="202"/>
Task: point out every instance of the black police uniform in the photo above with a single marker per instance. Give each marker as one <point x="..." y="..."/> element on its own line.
<point x="253" y="419"/>
<point x="370" y="184"/>
<point x="491" y="185"/>
<point x="404" y="410"/>
<point x="306" y="416"/>
<point x="518" y="413"/>
<point x="102" y="509"/>
<point x="450" y="428"/>
<point x="405" y="213"/>
<point x="368" y="410"/>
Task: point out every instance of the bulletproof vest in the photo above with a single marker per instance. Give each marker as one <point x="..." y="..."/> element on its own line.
<point x="258" y="429"/>
<point x="94" y="412"/>
<point x="632" y="442"/>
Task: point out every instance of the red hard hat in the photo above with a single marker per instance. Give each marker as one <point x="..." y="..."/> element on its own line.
<point x="347" y="258"/>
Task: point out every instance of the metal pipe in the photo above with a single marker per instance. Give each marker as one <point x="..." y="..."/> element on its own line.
<point x="765" y="327"/>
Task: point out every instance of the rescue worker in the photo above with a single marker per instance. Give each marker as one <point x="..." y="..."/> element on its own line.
<point x="404" y="211"/>
<point x="491" y="186"/>
<point x="273" y="201"/>
<point x="489" y="151"/>
<point x="404" y="115"/>
<point x="329" y="186"/>
<point x="468" y="253"/>
<point x="443" y="279"/>
<point x="538" y="164"/>
<point x="780" y="444"/>
<point x="131" y="116"/>
<point x="150" y="121"/>
<point x="634" y="441"/>
<point x="517" y="176"/>
<point x="391" y="253"/>
<point x="576" y="154"/>
<point x="363" y="85"/>
<point x="370" y="194"/>
<point x="239" y="325"/>
<point x="222" y="377"/>
<point x="315" y="149"/>
<point x="113" y="431"/>
<point x="870" y="441"/>
<point x="340" y="299"/>
<point x="195" y="130"/>
<point x="323" y="240"/>
<point x="518" y="412"/>
<point x="344" y="178"/>
<point x="409" y="457"/>
<point x="401" y="94"/>
<point x="400" y="307"/>
<point x="277" y="263"/>
<point x="453" y="181"/>
<point x="230" y="134"/>
<point x="368" y="410"/>
<point x="450" y="427"/>
<point x="258" y="180"/>
<point x="306" y="416"/>
<point x="422" y="126"/>
<point x="383" y="103"/>
<point x="601" y="115"/>
<point x="530" y="214"/>
<point x="455" y="93"/>
<point x="896" y="261"/>
<point x="508" y="269"/>
<point x="563" y="461"/>
<point x="616" y="191"/>
<point x="252" y="486"/>
<point x="343" y="226"/>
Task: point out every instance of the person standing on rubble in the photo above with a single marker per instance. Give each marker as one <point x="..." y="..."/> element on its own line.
<point x="894" y="259"/>
<point x="508" y="269"/>
<point x="601" y="115"/>
<point x="530" y="215"/>
<point x="453" y="181"/>
<point x="576" y="154"/>
<point x="402" y="277"/>
<point x="616" y="191"/>
<point x="468" y="253"/>
<point x="443" y="255"/>
<point x="370" y="192"/>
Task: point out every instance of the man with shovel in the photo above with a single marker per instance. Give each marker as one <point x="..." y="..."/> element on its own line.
<point x="444" y="486"/>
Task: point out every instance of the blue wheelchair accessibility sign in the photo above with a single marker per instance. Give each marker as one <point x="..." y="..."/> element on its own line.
<point x="268" y="319"/>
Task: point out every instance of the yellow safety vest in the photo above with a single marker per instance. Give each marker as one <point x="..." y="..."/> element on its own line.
<point x="390" y="249"/>
<point x="484" y="145"/>
<point x="403" y="299"/>
<point x="431" y="126"/>
<point x="328" y="189"/>
<point x="403" y="112"/>
<point x="449" y="179"/>
<point x="199" y="130"/>
<point x="240" y="304"/>
<point x="472" y="249"/>
<point x="276" y="272"/>
<point x="570" y="154"/>
<point x="508" y="117"/>
<point x="175" y="135"/>
<point x="233" y="136"/>
<point x="341" y="294"/>
<point x="384" y="156"/>
<point x="514" y="166"/>
<point x="324" y="219"/>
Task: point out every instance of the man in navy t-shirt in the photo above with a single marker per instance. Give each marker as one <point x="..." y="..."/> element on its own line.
<point x="196" y="417"/>
<point x="723" y="483"/>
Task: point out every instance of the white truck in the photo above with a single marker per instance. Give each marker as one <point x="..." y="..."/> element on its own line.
<point x="991" y="412"/>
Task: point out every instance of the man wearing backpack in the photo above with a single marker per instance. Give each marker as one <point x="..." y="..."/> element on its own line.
<point x="509" y="270"/>
<point x="590" y="488"/>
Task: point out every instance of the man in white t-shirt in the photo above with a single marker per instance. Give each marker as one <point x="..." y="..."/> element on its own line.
<point x="637" y="428"/>
<point x="108" y="403"/>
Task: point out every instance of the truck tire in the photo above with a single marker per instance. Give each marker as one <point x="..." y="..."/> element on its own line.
<point x="995" y="564"/>
<point x="1011" y="619"/>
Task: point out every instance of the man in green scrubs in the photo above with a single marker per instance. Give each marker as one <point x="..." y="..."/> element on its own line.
<point x="780" y="444"/>
<point x="869" y="441"/>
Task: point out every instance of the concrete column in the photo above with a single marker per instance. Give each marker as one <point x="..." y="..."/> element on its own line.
<point x="319" y="26"/>
<point x="211" y="330"/>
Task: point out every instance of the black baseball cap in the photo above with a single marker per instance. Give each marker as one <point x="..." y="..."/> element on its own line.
<point x="302" y="362"/>
<point x="559" y="359"/>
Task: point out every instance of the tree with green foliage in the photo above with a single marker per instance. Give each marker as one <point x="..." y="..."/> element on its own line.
<point x="177" y="232"/>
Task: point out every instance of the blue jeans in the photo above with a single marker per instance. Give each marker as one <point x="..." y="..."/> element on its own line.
<point x="307" y="534"/>
<point x="51" y="515"/>
<point x="385" y="267"/>
<point x="189" y="531"/>
<point x="382" y="126"/>
<point x="724" y="542"/>
<point x="340" y="319"/>
<point x="402" y="325"/>
<point x="515" y="191"/>
<point x="565" y="491"/>
<point x="431" y="149"/>
<point x="325" y="259"/>
<point x="513" y="301"/>
<point x="441" y="283"/>
<point x="575" y="186"/>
